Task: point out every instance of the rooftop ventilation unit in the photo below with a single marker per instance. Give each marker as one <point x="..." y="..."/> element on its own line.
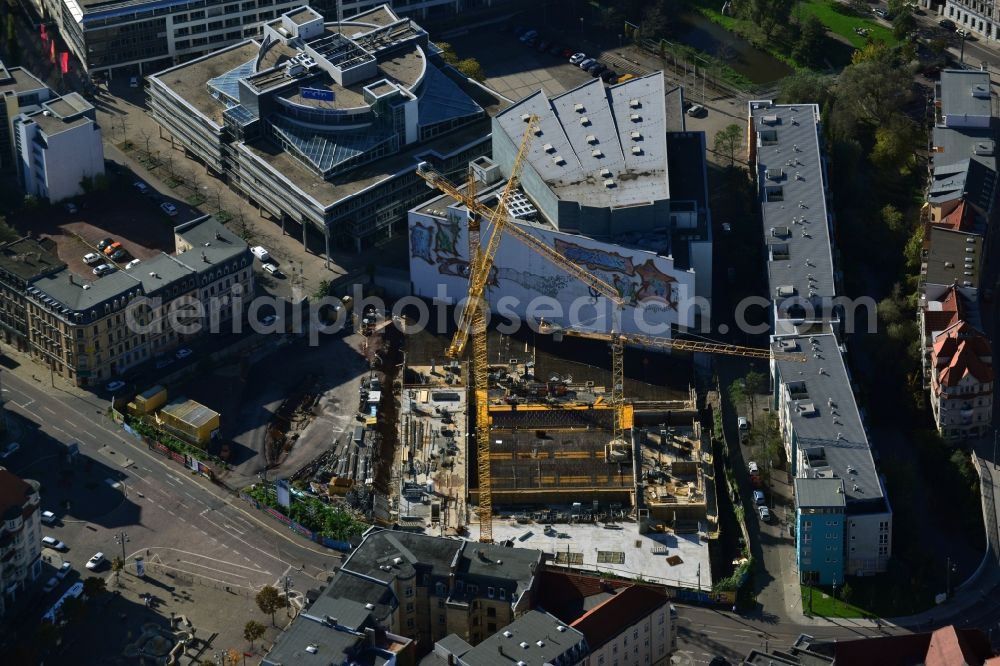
<point x="605" y="173"/>
<point x="597" y="152"/>
<point x="524" y="645"/>
<point x="538" y="131"/>
<point x="636" y="135"/>
<point x="312" y="648"/>
<point x="558" y="159"/>
<point x="585" y="121"/>
<point x="609" y="183"/>
<point x="525" y="117"/>
<point x="579" y="108"/>
<point x="981" y="91"/>
<point x="507" y="634"/>
<point x="786" y="291"/>
<point x="548" y="148"/>
<point x="591" y="139"/>
<point x="635" y="117"/>
<point x="636" y="150"/>
<point x="634" y="103"/>
<point x="769" y="120"/>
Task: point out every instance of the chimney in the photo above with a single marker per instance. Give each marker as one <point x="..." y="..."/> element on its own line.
<point x="71" y="280"/>
<point x="204" y="257"/>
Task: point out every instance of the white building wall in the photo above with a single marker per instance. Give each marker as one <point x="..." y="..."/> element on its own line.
<point x="868" y="546"/>
<point x="967" y="16"/>
<point x="644" y="643"/>
<point x="525" y="285"/>
<point x="72" y="156"/>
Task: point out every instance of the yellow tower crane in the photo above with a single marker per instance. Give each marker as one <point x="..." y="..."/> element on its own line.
<point x="473" y="320"/>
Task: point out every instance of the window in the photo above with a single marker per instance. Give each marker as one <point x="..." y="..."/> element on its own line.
<point x="408" y="592"/>
<point x="490" y="591"/>
<point x="503" y="593"/>
<point x="409" y="623"/>
<point x="409" y="607"/>
<point x="440" y="619"/>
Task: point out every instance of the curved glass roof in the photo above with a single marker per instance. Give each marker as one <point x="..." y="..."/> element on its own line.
<point x="441" y="99"/>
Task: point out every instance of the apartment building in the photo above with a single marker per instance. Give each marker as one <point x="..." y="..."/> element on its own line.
<point x="21" y="262"/>
<point x="20" y="536"/>
<point x="821" y="426"/>
<point x="632" y="627"/>
<point x="20" y="90"/>
<point x="322" y="125"/>
<point x="961" y="384"/>
<point x="819" y="519"/>
<point x="977" y="16"/>
<point x="50" y="142"/>
<point x="825" y="438"/>
<point x="58" y="146"/>
<point x="88" y="331"/>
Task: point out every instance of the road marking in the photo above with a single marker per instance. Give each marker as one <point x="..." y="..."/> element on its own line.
<point x="221" y="571"/>
<point x="234" y="528"/>
<point x="181" y="518"/>
<point x="260" y="550"/>
<point x="207" y="557"/>
<point x="46" y="408"/>
<point x="192" y="573"/>
<point x="71" y="424"/>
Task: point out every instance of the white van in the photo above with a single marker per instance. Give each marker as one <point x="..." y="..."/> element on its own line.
<point x="259" y="252"/>
<point x="743" y="427"/>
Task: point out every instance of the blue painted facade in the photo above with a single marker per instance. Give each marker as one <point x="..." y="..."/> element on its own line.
<point x="820" y="527"/>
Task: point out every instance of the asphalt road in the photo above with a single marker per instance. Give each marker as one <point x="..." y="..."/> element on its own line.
<point x="178" y="520"/>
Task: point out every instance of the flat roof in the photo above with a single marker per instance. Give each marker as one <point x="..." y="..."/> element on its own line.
<point x="965" y="92"/>
<point x="811" y="493"/>
<point x="828" y="431"/>
<point x="53" y="124"/>
<point x="190" y="412"/>
<point x="953" y="257"/>
<point x="18" y="80"/>
<point x="211" y="243"/>
<point x="619" y="131"/>
<point x="302" y="15"/>
<point x="188" y="80"/>
<point x="674" y="109"/>
<point x="534" y="639"/>
<point x="159" y="272"/>
<point x="953" y="145"/>
<point x="795" y="219"/>
<point x="27" y="258"/>
<point x="340" y="187"/>
<point x="331" y="646"/>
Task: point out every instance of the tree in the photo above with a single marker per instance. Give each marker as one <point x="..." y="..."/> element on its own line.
<point x="94" y="586"/>
<point x="447" y="52"/>
<point x="894" y="141"/>
<point x="472" y="69"/>
<point x="658" y="19"/>
<point x="903" y="24"/>
<point x="253" y="630"/>
<point x="846" y="593"/>
<point x="860" y="6"/>
<point x="804" y="87"/>
<point x="728" y="142"/>
<point x="871" y="92"/>
<point x="232" y="656"/>
<point x="743" y="391"/>
<point x="809" y="47"/>
<point x="270" y="601"/>
<point x="872" y="50"/>
<point x="322" y="290"/>
<point x="116" y="566"/>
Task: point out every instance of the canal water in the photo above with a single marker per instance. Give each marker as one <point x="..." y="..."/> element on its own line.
<point x="696" y="31"/>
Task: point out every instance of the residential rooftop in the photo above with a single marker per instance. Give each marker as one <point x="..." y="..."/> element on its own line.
<point x="15" y="493"/>
<point x="602" y="147"/>
<point x="27" y="259"/>
<point x="534" y="639"/>
<point x="824" y="418"/>
<point x="952" y="145"/>
<point x="953" y="258"/>
<point x="625" y="609"/>
<point x="793" y="200"/>
<point x="813" y="493"/>
<point x="965" y="93"/>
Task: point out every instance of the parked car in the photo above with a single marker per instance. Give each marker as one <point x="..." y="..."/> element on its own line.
<point x="697" y="111"/>
<point x="765" y="514"/>
<point x="609" y="76"/>
<point x="168" y="208"/>
<point x="743" y="428"/>
<point x="103" y="269"/>
<point x="133" y="82"/>
<point x="577" y="58"/>
<point x="520" y="30"/>
<point x="543" y="45"/>
<point x="50" y="584"/>
<point x="104" y="243"/>
<point x="131" y="264"/>
<point x="556" y="49"/>
<point x="585" y="63"/>
<point x="114" y="386"/>
<point x="141" y="186"/>
<point x="53" y="543"/>
<point x="567" y="53"/>
<point x="947" y="24"/>
<point x="91" y="258"/>
<point x="96" y="561"/>
<point x="727" y="227"/>
<point x="273" y="270"/>
<point x="48" y="518"/>
<point x="259" y="252"/>
<point x="183" y="353"/>
<point x="598" y="70"/>
<point x="752" y="467"/>
<point x="529" y="35"/>
<point x="111" y="249"/>
<point x="10" y="450"/>
<point x="119" y="255"/>
<point x="758" y="497"/>
<point x="64" y="570"/>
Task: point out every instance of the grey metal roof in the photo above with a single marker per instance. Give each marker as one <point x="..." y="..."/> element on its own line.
<point x="349" y="613"/>
<point x="211" y="243"/>
<point x="797" y="224"/>
<point x="955" y="145"/>
<point x="955" y="92"/>
<point x="825" y="420"/>
<point x="954" y="257"/>
<point x="813" y="493"/>
<point x="27" y="258"/>
<point x="534" y="639"/>
<point x="967" y="179"/>
<point x="160" y="272"/>
<point x="591" y="128"/>
<point x="79" y="295"/>
<point x="331" y="645"/>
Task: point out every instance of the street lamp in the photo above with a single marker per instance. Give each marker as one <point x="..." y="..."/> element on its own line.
<point x="122" y="538"/>
<point x="581" y="26"/>
<point x="952" y="568"/>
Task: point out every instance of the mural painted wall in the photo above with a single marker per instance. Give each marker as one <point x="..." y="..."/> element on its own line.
<point x="530" y="287"/>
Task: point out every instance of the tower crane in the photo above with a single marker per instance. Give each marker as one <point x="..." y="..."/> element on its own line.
<point x="473" y="319"/>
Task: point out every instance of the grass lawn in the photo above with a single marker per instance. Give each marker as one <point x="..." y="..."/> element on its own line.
<point x="841" y="20"/>
<point x="824" y="605"/>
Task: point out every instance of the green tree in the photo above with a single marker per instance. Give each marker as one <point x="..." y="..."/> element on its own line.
<point x="448" y="53"/>
<point x="903" y="24"/>
<point x="93" y="587"/>
<point x="894" y="144"/>
<point x="871" y="92"/>
<point x="322" y="290"/>
<point x="117" y="565"/>
<point x="728" y="142"/>
<point x="270" y="601"/>
<point x="913" y="252"/>
<point x="658" y="19"/>
<point x="253" y="630"/>
<point x="805" y="87"/>
<point x="809" y="49"/>
<point x="893" y="219"/>
<point x="743" y="392"/>
<point x="471" y="68"/>
<point x="846" y="592"/>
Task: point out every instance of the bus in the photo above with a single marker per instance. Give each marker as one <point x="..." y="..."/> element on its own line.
<point x="53" y="613"/>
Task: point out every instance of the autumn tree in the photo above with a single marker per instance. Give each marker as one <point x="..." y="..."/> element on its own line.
<point x="270" y="601"/>
<point x="253" y="630"/>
